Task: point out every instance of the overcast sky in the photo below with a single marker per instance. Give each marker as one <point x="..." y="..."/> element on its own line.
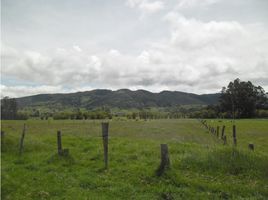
<point x="195" y="46"/>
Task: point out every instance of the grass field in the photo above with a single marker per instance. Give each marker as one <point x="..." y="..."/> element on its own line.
<point x="201" y="166"/>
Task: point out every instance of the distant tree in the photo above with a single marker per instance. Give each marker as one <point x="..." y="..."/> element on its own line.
<point x="79" y="115"/>
<point x="35" y="113"/>
<point x="22" y="115"/>
<point x="9" y="108"/>
<point x="262" y="113"/>
<point x="61" y="115"/>
<point x="143" y="114"/>
<point x="134" y="115"/>
<point x="241" y="99"/>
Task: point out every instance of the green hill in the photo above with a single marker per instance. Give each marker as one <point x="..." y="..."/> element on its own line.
<point x="123" y="98"/>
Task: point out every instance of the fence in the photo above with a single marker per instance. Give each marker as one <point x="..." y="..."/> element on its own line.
<point x="215" y="132"/>
<point x="218" y="132"/>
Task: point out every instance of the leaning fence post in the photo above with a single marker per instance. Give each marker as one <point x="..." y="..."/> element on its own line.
<point x="105" y="130"/>
<point x="22" y="139"/>
<point x="234" y="135"/>
<point x="222" y="131"/>
<point x="165" y="162"/>
<point x="59" y="142"/>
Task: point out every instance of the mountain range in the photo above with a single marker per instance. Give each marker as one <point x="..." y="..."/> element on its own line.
<point x="123" y="98"/>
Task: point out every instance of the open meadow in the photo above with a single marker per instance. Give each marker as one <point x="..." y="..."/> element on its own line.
<point x="201" y="167"/>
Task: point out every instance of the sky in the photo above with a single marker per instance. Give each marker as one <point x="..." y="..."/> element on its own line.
<point x="195" y="46"/>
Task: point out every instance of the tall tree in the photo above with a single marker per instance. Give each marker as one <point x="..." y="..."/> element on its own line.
<point x="9" y="108"/>
<point x="242" y="98"/>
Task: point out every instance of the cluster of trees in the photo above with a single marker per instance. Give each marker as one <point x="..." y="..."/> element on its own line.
<point x="242" y="99"/>
<point x="238" y="100"/>
<point x="148" y="114"/>
<point x="208" y="113"/>
<point x="9" y="110"/>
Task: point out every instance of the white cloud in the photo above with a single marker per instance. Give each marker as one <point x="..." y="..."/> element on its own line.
<point x="183" y="4"/>
<point x="197" y="57"/>
<point x="146" y="6"/>
<point x="114" y="52"/>
<point x="151" y="7"/>
<point x="19" y="91"/>
<point x="194" y="34"/>
<point x="77" y="48"/>
<point x="200" y="51"/>
<point x="217" y="51"/>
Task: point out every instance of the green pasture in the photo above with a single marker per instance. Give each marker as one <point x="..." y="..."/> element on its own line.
<point x="201" y="166"/>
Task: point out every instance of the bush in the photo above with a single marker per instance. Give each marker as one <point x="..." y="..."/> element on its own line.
<point x="58" y="116"/>
<point x="262" y="113"/>
<point x="22" y="116"/>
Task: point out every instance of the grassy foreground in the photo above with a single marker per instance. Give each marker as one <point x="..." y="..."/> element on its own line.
<point x="201" y="167"/>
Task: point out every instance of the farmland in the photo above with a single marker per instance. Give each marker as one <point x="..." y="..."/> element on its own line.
<point x="201" y="166"/>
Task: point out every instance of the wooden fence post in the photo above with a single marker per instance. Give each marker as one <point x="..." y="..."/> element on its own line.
<point x="222" y="131"/>
<point x="224" y="140"/>
<point x="22" y="139"/>
<point x="2" y="139"/>
<point x="165" y="162"/>
<point x="164" y="155"/>
<point x="234" y="135"/>
<point x="251" y="146"/>
<point x="105" y="133"/>
<point x="59" y="143"/>
<point x="218" y="130"/>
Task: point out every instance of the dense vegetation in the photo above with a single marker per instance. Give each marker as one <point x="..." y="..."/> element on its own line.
<point x="9" y="109"/>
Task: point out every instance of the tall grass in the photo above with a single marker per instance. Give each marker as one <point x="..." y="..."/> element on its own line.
<point x="227" y="160"/>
